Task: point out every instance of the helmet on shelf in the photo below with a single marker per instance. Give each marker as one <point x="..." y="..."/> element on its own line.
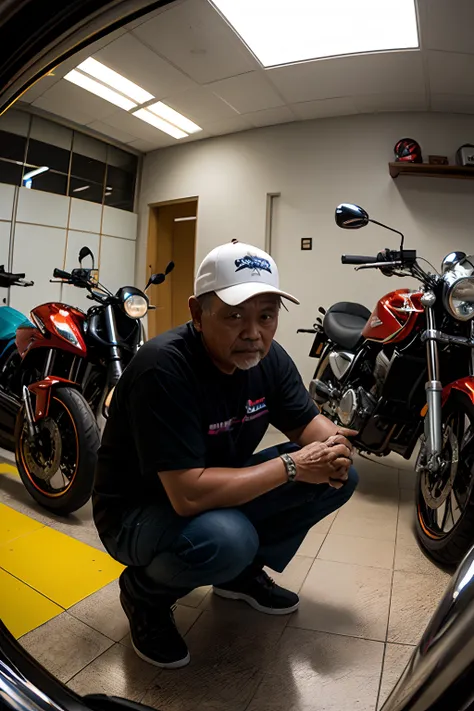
<point x="408" y="151"/>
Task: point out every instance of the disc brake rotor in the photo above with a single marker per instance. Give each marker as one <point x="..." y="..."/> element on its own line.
<point x="436" y="491"/>
<point x="43" y="456"/>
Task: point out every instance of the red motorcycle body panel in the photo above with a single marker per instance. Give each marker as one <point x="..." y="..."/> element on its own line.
<point x="64" y="325"/>
<point x="394" y="317"/>
<point x="464" y="385"/>
<point x="42" y="390"/>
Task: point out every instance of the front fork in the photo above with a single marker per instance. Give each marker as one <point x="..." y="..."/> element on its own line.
<point x="433" y="387"/>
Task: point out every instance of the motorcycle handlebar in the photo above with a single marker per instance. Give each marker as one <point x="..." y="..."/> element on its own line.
<point x="358" y="259"/>
<point x="61" y="274"/>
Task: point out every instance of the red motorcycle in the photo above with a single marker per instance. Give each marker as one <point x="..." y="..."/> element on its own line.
<point x="404" y="374"/>
<point x="61" y="379"/>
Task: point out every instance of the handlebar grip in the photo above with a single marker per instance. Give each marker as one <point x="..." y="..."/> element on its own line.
<point x="61" y="274"/>
<point x="358" y="259"/>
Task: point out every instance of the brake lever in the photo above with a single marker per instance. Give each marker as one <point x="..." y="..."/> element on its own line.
<point x="378" y="265"/>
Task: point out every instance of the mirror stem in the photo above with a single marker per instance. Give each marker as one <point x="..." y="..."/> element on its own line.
<point x="380" y="224"/>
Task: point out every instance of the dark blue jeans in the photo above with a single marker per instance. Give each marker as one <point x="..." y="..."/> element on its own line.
<point x="170" y="555"/>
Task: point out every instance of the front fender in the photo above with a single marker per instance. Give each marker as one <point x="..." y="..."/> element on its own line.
<point x="42" y="391"/>
<point x="463" y="385"/>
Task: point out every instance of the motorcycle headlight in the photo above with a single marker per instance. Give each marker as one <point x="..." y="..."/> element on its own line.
<point x="135" y="306"/>
<point x="461" y="299"/>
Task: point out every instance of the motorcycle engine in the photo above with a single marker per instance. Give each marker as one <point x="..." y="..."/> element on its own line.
<point x="354" y="407"/>
<point x="356" y="404"/>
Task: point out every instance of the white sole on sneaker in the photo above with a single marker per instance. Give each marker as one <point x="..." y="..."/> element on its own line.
<point x="163" y="665"/>
<point x="230" y="595"/>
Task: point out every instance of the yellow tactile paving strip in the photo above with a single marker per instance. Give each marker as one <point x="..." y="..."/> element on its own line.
<point x="43" y="571"/>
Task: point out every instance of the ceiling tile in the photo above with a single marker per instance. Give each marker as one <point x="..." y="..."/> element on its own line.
<point x="229" y="125"/>
<point x="451" y="73"/>
<point x="138" y="128"/>
<point x="325" y="108"/>
<point x="195" y="38"/>
<point x="146" y="146"/>
<point x="447" y="25"/>
<point x="150" y="15"/>
<point x="270" y="117"/>
<point x="350" y="76"/>
<point x="397" y="101"/>
<point x="247" y="92"/>
<point x="200" y="105"/>
<point x="128" y="56"/>
<point x="75" y="104"/>
<point x="453" y="103"/>
<point x="112" y="132"/>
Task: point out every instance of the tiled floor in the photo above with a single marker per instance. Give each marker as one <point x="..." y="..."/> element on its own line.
<point x="366" y="591"/>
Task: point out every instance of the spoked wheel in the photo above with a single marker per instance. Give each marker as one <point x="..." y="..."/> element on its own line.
<point x="445" y="510"/>
<point x="57" y="465"/>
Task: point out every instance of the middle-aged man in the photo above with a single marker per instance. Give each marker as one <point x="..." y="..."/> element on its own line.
<point x="180" y="497"/>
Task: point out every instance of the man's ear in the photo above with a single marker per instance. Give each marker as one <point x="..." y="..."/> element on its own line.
<point x="196" y="313"/>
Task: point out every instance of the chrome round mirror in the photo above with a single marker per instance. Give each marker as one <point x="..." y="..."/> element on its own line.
<point x="451" y="260"/>
<point x="351" y="217"/>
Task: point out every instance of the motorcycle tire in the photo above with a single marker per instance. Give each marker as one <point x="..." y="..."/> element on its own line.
<point x="450" y="547"/>
<point x="74" y="441"/>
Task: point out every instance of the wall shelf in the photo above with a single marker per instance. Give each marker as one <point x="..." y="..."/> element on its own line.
<point x="427" y="170"/>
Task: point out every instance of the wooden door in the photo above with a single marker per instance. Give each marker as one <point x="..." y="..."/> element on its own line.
<point x="171" y="238"/>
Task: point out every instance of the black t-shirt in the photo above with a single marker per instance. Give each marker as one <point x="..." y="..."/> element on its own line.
<point x="173" y="409"/>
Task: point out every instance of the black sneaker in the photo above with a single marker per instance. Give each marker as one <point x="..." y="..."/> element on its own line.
<point x="153" y="632"/>
<point x="262" y="593"/>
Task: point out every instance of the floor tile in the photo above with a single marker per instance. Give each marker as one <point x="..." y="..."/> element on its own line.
<point x="414" y="600"/>
<point x="313" y="670"/>
<point x="374" y="476"/>
<point x="117" y="672"/>
<point x="312" y="543"/>
<point x="184" y="617"/>
<point x="196" y="597"/>
<point x="103" y="612"/>
<point x="294" y="574"/>
<point x="325" y="525"/>
<point x="407" y="479"/>
<point x="395" y="660"/>
<point x="374" y="518"/>
<point x="406" y="516"/>
<point x="61" y="568"/>
<point x="14" y="524"/>
<point x="346" y="599"/>
<point x="410" y="557"/>
<point x="229" y="653"/>
<point x="22" y="609"/>
<point x="65" y="645"/>
<point x="360" y="551"/>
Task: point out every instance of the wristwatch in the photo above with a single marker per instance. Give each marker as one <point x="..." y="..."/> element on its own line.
<point x="290" y="466"/>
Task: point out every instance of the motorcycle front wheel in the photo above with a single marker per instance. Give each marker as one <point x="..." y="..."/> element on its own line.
<point x="57" y="466"/>
<point x="445" y="501"/>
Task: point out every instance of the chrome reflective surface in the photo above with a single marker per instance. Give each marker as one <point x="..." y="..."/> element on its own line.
<point x="351" y="217"/>
<point x="440" y="673"/>
<point x="451" y="260"/>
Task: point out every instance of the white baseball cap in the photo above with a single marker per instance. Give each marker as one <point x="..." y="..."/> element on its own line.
<point x="238" y="271"/>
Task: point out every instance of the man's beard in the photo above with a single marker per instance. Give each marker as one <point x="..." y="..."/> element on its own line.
<point x="248" y="361"/>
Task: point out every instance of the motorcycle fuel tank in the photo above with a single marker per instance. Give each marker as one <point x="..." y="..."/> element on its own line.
<point x="394" y="317"/>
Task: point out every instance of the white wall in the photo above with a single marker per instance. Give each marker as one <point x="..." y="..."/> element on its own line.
<point x="40" y="231"/>
<point x="315" y="165"/>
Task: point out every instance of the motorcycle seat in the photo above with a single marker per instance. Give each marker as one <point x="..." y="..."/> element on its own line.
<point x="344" y="323"/>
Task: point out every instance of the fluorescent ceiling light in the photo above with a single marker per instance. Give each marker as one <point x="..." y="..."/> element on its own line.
<point x="115" y="80"/>
<point x="37" y="171"/>
<point x="282" y="32"/>
<point x="100" y="90"/>
<point x="174" y="117"/>
<point x="79" y="190"/>
<point x="157" y="122"/>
